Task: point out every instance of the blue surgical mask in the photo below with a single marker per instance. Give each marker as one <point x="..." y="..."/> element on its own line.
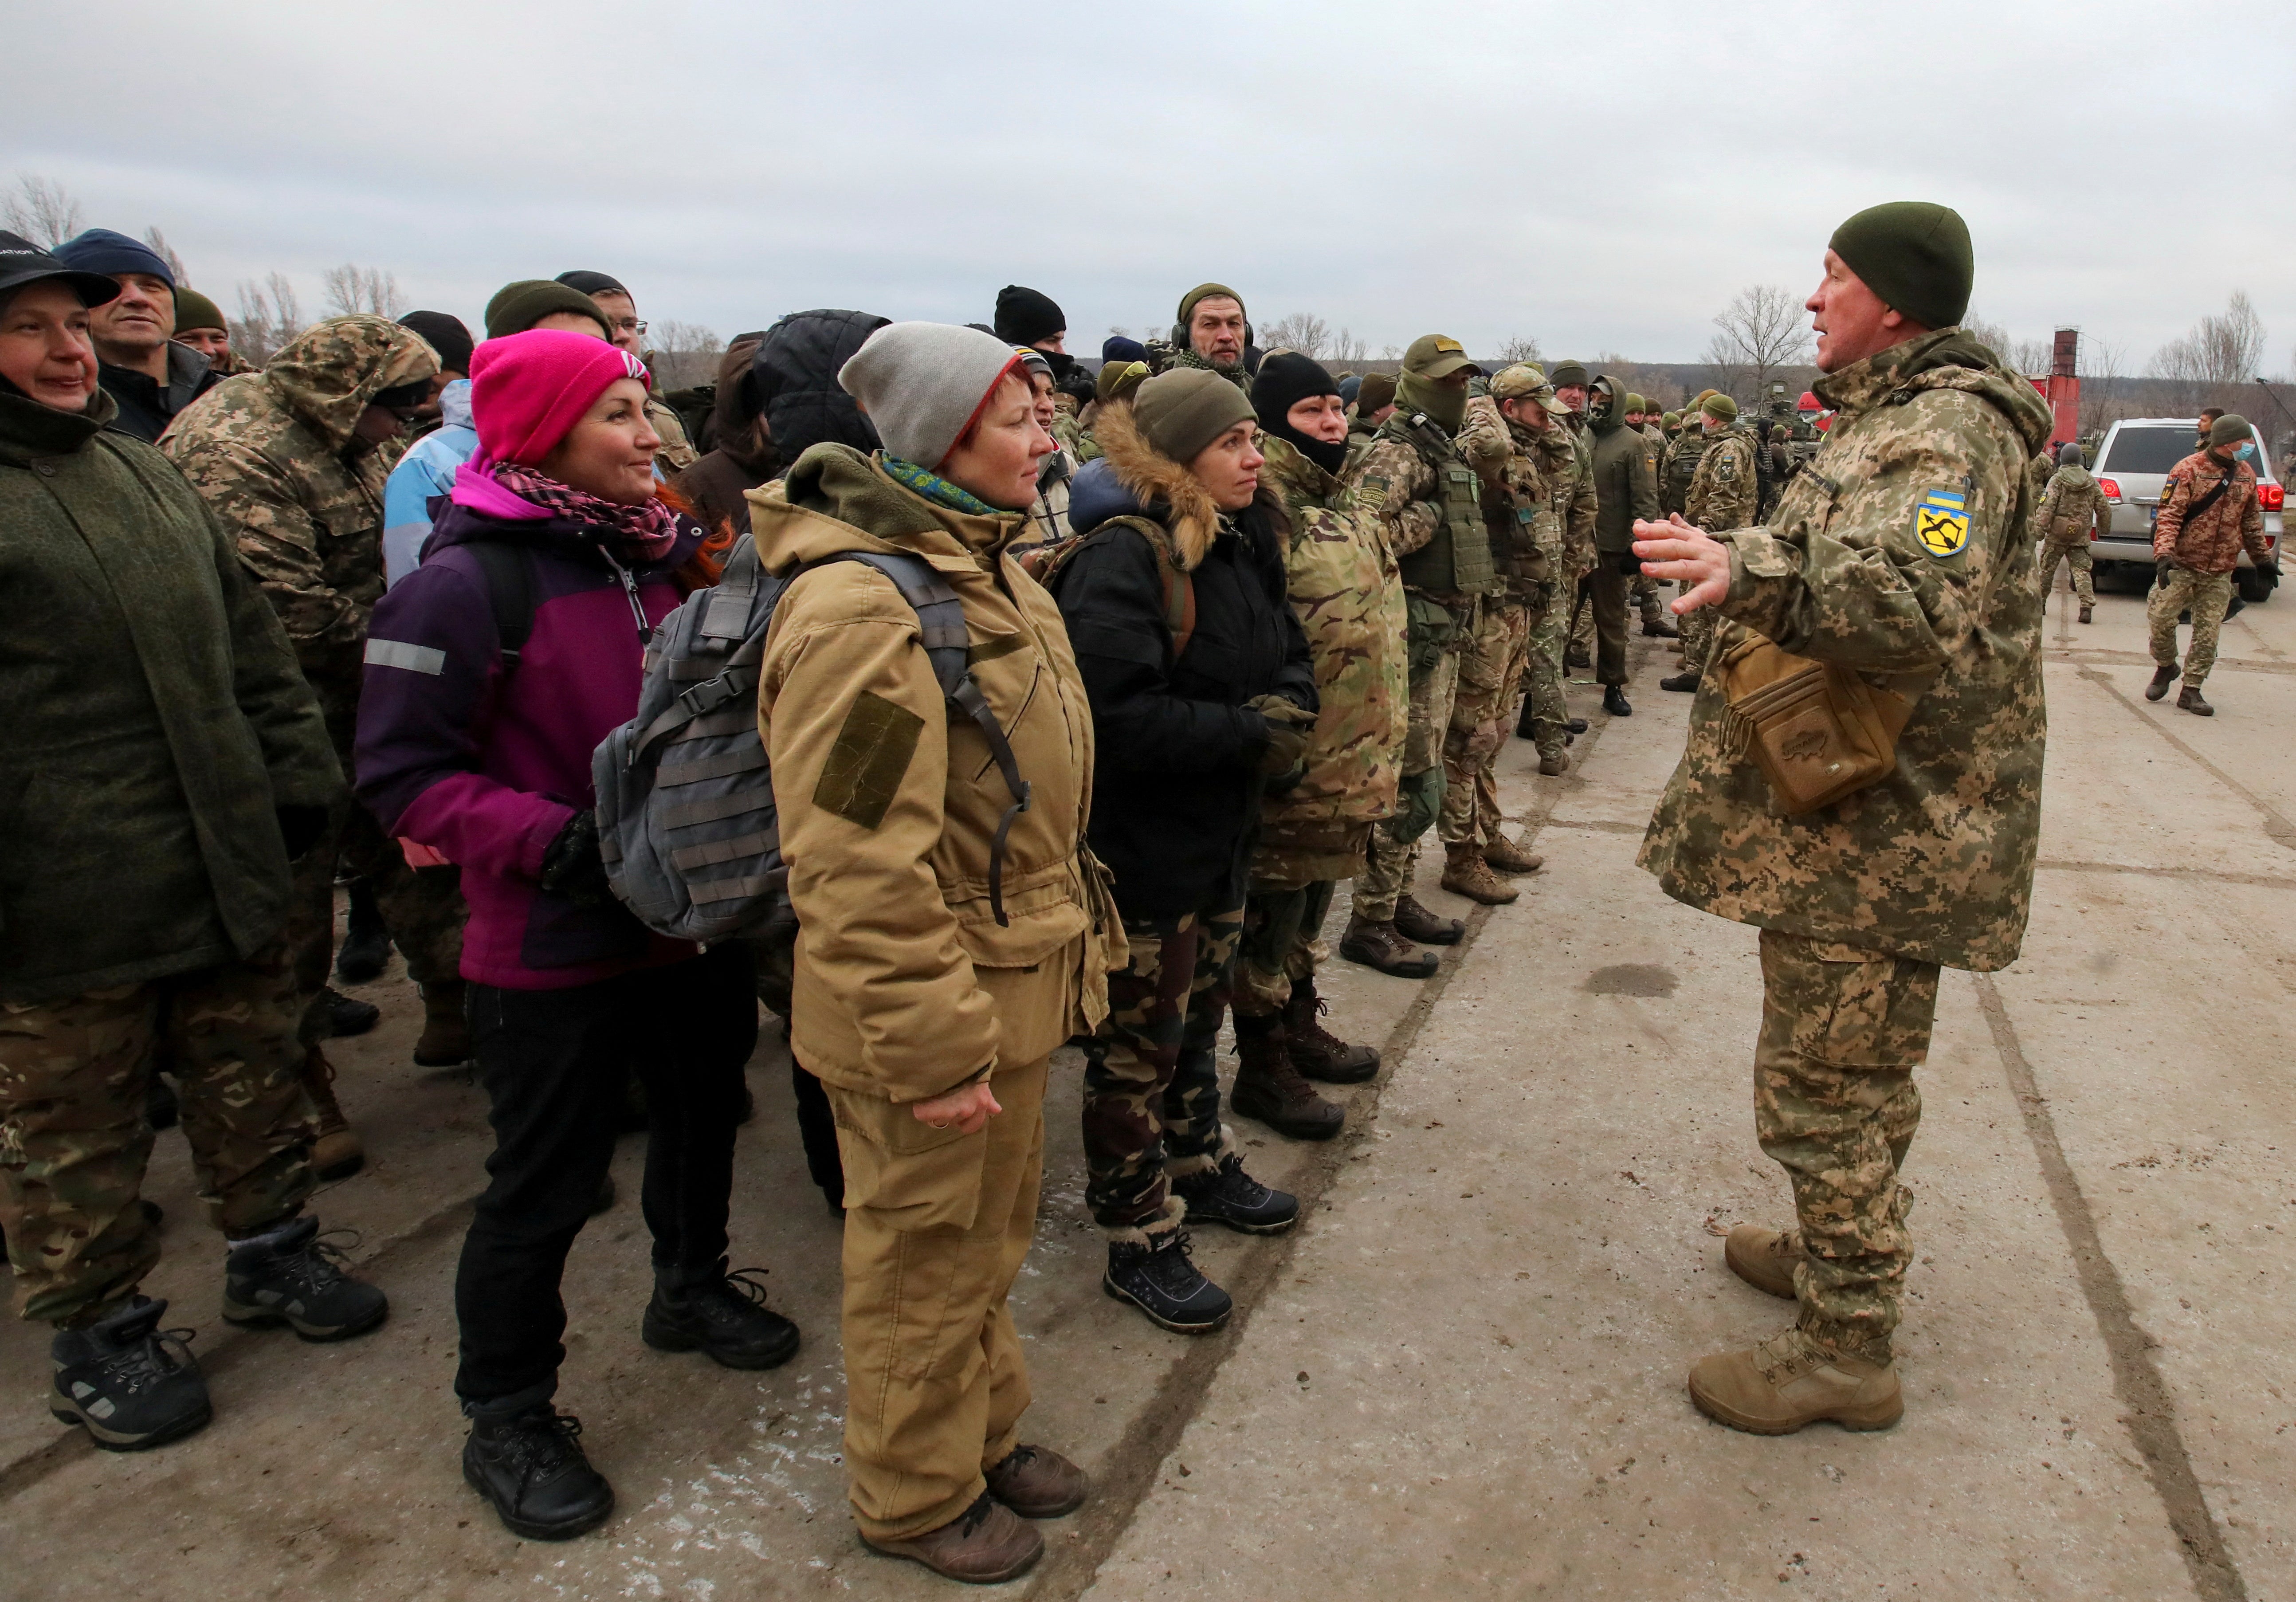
<point x="2247" y="453"/>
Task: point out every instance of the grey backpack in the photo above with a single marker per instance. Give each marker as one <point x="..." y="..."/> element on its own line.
<point x="686" y="820"/>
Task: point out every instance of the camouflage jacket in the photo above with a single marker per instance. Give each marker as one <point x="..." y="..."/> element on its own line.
<point x="676" y="453"/>
<point x="2072" y="506"/>
<point x="2210" y="543"/>
<point x="1524" y="465"/>
<point x="1900" y="553"/>
<point x="1579" y="522"/>
<point x="1399" y="488"/>
<point x="1723" y="490"/>
<point x="1349" y="596"/>
<point x="275" y="456"/>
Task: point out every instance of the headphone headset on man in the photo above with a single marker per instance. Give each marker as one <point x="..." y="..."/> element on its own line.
<point x="1181" y="342"/>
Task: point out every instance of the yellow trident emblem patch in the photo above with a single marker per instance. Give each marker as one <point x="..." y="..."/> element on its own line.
<point x="1942" y="521"/>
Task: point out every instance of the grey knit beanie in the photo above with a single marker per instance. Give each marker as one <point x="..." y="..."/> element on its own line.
<point x="1182" y="411"/>
<point x="2070" y="454"/>
<point x="924" y="383"/>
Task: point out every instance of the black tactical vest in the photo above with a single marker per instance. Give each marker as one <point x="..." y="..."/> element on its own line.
<point x="1457" y="561"/>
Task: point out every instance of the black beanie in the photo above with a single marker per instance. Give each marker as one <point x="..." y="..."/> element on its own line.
<point x="445" y="336"/>
<point x="593" y="284"/>
<point x="1915" y="255"/>
<point x="1024" y="317"/>
<point x="1285" y="380"/>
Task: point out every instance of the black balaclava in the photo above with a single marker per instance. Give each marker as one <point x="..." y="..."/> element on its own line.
<point x="1285" y="380"/>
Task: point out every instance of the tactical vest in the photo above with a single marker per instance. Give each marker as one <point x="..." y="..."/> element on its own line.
<point x="1676" y="491"/>
<point x="1457" y="561"/>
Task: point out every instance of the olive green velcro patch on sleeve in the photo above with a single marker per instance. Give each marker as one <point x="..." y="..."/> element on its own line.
<point x="866" y="765"/>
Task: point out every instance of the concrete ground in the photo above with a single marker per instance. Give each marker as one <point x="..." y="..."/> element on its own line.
<point x="1462" y="1374"/>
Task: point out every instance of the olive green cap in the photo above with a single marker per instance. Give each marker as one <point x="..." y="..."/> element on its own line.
<point x="1914" y="254"/>
<point x="1206" y="292"/>
<point x="1566" y="373"/>
<point x="1635" y="402"/>
<point x="1671" y="420"/>
<point x="195" y="310"/>
<point x="2230" y="430"/>
<point x="1376" y="390"/>
<point x="518" y="307"/>
<point x="1118" y="379"/>
<point x="1523" y="379"/>
<point x="1721" y="406"/>
<point x="1437" y="356"/>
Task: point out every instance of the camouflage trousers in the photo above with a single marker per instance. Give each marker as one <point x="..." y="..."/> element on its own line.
<point x="1151" y="1077"/>
<point x="2206" y="595"/>
<point x="1394" y="849"/>
<point x="1697" y="634"/>
<point x="1482" y="715"/>
<point x="1546" y="622"/>
<point x="1282" y="943"/>
<point x="2074" y="552"/>
<point x="74" y="1144"/>
<point x="1843" y="1028"/>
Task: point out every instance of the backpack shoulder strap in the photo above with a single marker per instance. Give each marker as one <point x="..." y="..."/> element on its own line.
<point x="509" y="571"/>
<point x="1179" y="584"/>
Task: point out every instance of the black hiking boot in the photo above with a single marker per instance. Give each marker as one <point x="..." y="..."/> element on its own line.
<point x="1160" y="1280"/>
<point x="292" y="1277"/>
<point x="365" y="950"/>
<point x="1414" y="922"/>
<point x="1228" y="1196"/>
<point x="722" y="1314"/>
<point x="2163" y="677"/>
<point x="128" y="1383"/>
<point x="1615" y="701"/>
<point x="1681" y="683"/>
<point x="1380" y="946"/>
<point x="532" y="1469"/>
<point x="347" y="1016"/>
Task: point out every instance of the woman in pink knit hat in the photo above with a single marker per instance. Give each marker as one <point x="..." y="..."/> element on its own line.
<point x="493" y="671"/>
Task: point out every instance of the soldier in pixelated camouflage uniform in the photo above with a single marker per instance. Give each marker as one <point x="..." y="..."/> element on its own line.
<point x="2071" y="513"/>
<point x="1902" y="556"/>
<point x="1723" y="491"/>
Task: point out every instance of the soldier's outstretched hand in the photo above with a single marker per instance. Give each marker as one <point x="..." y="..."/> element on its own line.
<point x="1673" y="549"/>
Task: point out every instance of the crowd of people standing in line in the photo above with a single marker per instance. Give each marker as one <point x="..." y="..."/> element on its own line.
<point x="1246" y="630"/>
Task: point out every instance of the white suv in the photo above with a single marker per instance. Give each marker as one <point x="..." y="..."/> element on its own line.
<point x="2133" y="463"/>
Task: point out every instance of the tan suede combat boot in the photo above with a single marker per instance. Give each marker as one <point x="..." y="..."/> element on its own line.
<point x="446" y="1039"/>
<point x="1788" y="1380"/>
<point x="984" y="1544"/>
<point x="336" y="1153"/>
<point x="1553" y="763"/>
<point x="1763" y="1258"/>
<point x="1503" y="855"/>
<point x="1465" y="874"/>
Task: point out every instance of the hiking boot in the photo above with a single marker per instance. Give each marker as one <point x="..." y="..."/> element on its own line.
<point x="127" y="1381"/>
<point x="2188" y="700"/>
<point x="161" y="1109"/>
<point x="1466" y="873"/>
<point x="1659" y="628"/>
<point x="1681" y="683"/>
<point x="1615" y="701"/>
<point x="1268" y="1088"/>
<point x="347" y="1017"/>
<point x="1763" y="1258"/>
<point x="1577" y="659"/>
<point x="2085" y="614"/>
<point x="1160" y="1278"/>
<point x="1526" y="727"/>
<point x="1414" y="922"/>
<point x="722" y="1314"/>
<point x="1036" y="1482"/>
<point x="365" y="950"/>
<point x="1575" y="728"/>
<point x="1228" y="1196"/>
<point x="291" y="1276"/>
<point x="985" y="1544"/>
<point x="445" y="1041"/>
<point x="532" y="1467"/>
<point x="1788" y="1380"/>
<point x="1315" y="1051"/>
<point x="2163" y="677"/>
<point x="336" y="1153"/>
<point x="1553" y="764"/>
<point x="1503" y="855"/>
<point x="1379" y="946"/>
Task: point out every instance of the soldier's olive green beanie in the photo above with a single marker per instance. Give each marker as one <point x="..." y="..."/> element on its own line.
<point x="1671" y="420"/>
<point x="1376" y="391"/>
<point x="195" y="310"/>
<point x="1181" y="411"/>
<point x="2230" y="429"/>
<point x="1118" y="380"/>
<point x="1915" y="255"/>
<point x="1719" y="406"/>
<point x="1636" y="403"/>
<point x="1206" y="292"/>
<point x="518" y="307"/>
<point x="1564" y="374"/>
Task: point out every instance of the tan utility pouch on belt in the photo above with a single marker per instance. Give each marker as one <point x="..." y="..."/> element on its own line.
<point x="1818" y="730"/>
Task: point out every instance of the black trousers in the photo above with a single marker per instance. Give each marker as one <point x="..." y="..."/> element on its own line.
<point x="554" y="1063"/>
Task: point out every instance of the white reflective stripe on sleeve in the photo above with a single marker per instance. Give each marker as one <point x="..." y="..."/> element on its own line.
<point x="399" y="653"/>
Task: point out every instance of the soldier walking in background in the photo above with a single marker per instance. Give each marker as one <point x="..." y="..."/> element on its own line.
<point x="1901" y="563"/>
<point x="1722" y="496"/>
<point x="2208" y="511"/>
<point x="2073" y="513"/>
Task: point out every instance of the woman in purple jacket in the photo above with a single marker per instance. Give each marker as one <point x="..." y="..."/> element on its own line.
<point x="477" y="744"/>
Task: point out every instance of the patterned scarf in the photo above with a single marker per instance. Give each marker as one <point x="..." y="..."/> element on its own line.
<point x="937" y="490"/>
<point x="643" y="532"/>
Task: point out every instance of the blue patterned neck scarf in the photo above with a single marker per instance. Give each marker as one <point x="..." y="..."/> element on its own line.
<point x="937" y="490"/>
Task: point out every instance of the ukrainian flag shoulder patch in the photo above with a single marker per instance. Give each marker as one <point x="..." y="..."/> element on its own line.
<point x="1941" y="519"/>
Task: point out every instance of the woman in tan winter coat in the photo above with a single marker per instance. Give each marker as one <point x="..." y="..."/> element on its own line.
<point x="928" y="1014"/>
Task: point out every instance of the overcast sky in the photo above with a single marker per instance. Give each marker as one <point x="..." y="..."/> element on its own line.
<point x="1602" y="177"/>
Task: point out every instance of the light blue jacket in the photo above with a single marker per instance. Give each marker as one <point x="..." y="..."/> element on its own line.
<point x="426" y="470"/>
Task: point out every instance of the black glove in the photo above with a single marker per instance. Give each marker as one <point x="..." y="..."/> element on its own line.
<point x="1630" y="566"/>
<point x="571" y="868"/>
<point x="2160" y="571"/>
<point x="302" y="828"/>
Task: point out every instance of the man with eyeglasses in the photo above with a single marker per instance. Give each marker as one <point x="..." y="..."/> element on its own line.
<point x="627" y="329"/>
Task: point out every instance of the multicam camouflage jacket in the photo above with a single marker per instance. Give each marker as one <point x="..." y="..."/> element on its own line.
<point x="1723" y="490"/>
<point x="1578" y="520"/>
<point x="2073" y="505"/>
<point x="1533" y="468"/>
<point x="275" y="456"/>
<point x="1899" y="553"/>
<point x="1677" y="465"/>
<point x="1349" y="596"/>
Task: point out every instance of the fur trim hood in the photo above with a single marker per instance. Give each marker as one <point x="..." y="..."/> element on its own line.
<point x="1161" y="489"/>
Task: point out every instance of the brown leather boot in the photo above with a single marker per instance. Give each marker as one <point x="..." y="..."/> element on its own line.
<point x="1788" y="1380"/>
<point x="1379" y="946"/>
<point x="2188" y="699"/>
<point x="2084" y="613"/>
<point x="1315" y="1051"/>
<point x="445" y="1041"/>
<point x="1036" y="1482"/>
<point x="1465" y="874"/>
<point x="1505" y="856"/>
<point x="336" y="1153"/>
<point x="1268" y="1088"/>
<point x="1763" y="1258"/>
<point x="1414" y="922"/>
<point x="984" y="1544"/>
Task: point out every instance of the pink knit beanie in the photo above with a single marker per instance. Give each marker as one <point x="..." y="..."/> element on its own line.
<point x="528" y="389"/>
